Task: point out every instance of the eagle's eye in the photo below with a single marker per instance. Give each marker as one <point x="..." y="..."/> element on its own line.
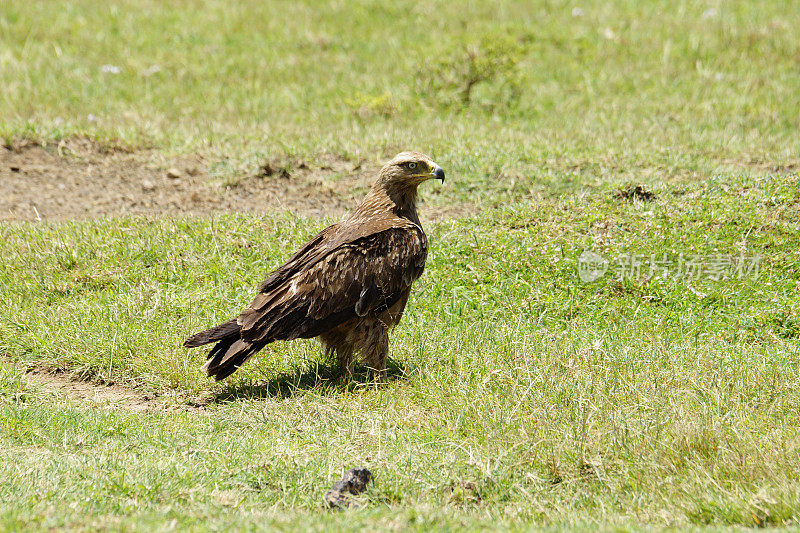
<point x="411" y="166"/>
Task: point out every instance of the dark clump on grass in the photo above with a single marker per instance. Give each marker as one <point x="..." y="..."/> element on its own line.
<point x="634" y="191"/>
<point x="352" y="484"/>
<point x="269" y="169"/>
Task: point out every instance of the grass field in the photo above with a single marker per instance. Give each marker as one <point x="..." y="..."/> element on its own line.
<point x="521" y="396"/>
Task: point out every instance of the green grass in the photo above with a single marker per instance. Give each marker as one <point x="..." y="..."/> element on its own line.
<point x="521" y="396"/>
<point x="651" y="90"/>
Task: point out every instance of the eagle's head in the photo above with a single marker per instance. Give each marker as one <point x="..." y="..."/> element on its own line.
<point x="395" y="190"/>
<point x="407" y="170"/>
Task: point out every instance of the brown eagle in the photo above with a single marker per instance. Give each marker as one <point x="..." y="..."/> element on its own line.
<point x="348" y="285"/>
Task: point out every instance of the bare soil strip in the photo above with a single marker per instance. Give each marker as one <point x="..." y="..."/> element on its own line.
<point x="79" y="179"/>
<point x="109" y="395"/>
<point x="115" y="396"/>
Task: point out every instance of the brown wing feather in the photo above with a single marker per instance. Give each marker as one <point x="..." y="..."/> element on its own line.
<point x="321" y="287"/>
<point x="322" y="244"/>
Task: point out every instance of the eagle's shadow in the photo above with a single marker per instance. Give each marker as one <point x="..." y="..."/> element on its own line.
<point x="324" y="377"/>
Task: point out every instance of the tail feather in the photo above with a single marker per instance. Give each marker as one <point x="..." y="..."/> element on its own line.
<point x="228" y="355"/>
<point x="226" y="330"/>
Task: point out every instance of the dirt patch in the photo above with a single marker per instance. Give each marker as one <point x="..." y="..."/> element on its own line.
<point x="788" y="166"/>
<point x="79" y="179"/>
<point x="114" y="396"/>
<point x="109" y="395"/>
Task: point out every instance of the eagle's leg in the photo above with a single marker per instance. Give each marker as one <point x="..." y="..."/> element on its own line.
<point x="375" y="350"/>
<point x="340" y="347"/>
<point x="384" y="353"/>
<point x="345" y="358"/>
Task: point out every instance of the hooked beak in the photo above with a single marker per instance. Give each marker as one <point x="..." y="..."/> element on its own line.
<point x="438" y="173"/>
<point x="435" y="173"/>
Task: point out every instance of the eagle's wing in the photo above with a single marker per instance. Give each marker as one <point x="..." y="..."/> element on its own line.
<point x="339" y="275"/>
